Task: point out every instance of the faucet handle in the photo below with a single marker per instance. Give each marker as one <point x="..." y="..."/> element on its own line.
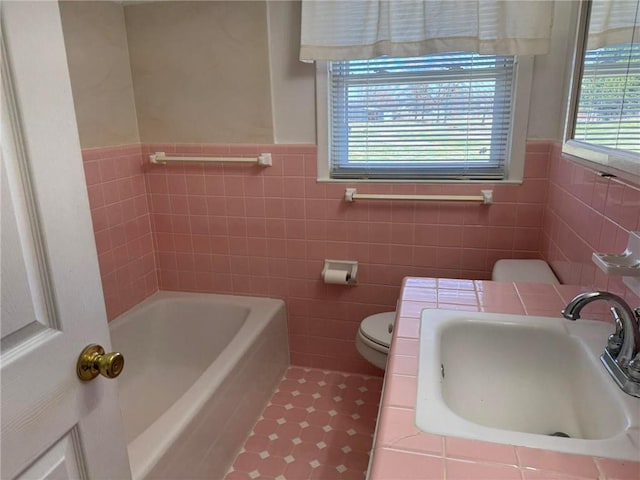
<point x="615" y="313"/>
<point x="614" y="344"/>
<point x="615" y="340"/>
<point x="633" y="368"/>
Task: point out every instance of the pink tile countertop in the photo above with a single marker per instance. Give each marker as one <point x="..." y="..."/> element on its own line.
<point x="401" y="451"/>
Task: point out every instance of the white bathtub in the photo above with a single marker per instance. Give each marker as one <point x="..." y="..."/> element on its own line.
<point x="198" y="370"/>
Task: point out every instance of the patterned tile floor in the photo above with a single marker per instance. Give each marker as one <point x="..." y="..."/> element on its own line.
<point x="317" y="425"/>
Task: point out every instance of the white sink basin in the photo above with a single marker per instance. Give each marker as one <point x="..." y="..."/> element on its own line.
<point x="518" y="380"/>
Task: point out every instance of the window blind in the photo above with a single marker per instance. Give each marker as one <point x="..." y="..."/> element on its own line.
<point x="443" y="116"/>
<point x="609" y="106"/>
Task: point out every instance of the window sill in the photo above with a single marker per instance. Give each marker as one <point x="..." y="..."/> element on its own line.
<point x="625" y="165"/>
<point x="420" y="181"/>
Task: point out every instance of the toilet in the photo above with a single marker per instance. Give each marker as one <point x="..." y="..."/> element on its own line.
<point x="374" y="337"/>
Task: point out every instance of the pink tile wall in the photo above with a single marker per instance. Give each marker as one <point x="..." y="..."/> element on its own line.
<point x="587" y="213"/>
<point x="246" y="230"/>
<point x="121" y="222"/>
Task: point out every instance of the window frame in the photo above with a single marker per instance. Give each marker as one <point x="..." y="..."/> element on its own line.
<point x="621" y="163"/>
<point x="590" y="71"/>
<point x="514" y="164"/>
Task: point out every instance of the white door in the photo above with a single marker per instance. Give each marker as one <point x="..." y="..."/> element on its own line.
<point x="53" y="425"/>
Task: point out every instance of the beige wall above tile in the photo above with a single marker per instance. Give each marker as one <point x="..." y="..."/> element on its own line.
<point x="98" y="57"/>
<point x="213" y="72"/>
<point x="201" y="71"/>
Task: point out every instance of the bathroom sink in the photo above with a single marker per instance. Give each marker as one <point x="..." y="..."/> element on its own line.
<point x="523" y="380"/>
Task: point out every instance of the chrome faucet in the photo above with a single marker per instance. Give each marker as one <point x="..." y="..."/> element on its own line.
<point x="620" y="357"/>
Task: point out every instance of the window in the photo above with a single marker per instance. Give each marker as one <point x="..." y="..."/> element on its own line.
<point x="438" y="117"/>
<point x="602" y="126"/>
<point x="609" y="103"/>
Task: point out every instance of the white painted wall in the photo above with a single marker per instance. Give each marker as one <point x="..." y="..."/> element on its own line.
<point x="98" y="57"/>
<point x="293" y="90"/>
<point x="292" y="82"/>
<point x="200" y="71"/>
<point x="551" y="75"/>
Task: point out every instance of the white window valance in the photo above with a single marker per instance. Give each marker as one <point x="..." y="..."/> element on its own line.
<point x="613" y="22"/>
<point x="362" y="29"/>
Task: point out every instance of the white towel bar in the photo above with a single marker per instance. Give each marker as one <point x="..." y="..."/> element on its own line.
<point x="264" y="159"/>
<point x="486" y="196"/>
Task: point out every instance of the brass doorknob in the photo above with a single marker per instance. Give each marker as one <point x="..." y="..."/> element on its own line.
<point x="93" y="361"/>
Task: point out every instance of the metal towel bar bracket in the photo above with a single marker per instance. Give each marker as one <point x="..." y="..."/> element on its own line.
<point x="264" y="159"/>
<point x="485" y="197"/>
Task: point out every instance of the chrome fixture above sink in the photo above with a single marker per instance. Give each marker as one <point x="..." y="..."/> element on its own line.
<point x="620" y="356"/>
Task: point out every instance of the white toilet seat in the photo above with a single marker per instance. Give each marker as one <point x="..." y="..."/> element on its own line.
<point x="379" y="328"/>
<point x="371" y="344"/>
<point x="374" y="338"/>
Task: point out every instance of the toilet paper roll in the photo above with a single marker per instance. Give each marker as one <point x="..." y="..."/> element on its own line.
<point x="337" y="277"/>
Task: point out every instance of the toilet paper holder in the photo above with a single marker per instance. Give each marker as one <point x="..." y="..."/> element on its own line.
<point x="340" y="272"/>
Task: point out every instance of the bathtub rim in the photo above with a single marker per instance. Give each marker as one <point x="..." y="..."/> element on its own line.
<point x="150" y="446"/>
